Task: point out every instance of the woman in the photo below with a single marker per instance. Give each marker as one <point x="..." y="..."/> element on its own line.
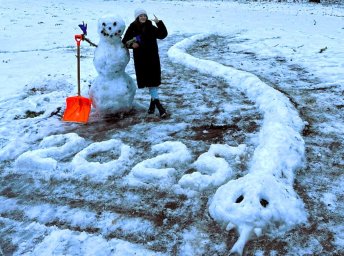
<point x="141" y="36"/>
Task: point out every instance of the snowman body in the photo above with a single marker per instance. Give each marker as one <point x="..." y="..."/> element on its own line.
<point x="113" y="90"/>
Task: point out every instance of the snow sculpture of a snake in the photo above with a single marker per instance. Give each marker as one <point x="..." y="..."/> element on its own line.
<point x="264" y="200"/>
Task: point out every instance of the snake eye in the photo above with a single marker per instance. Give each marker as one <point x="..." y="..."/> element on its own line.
<point x="264" y="202"/>
<point x="239" y="199"/>
<point x="104" y="24"/>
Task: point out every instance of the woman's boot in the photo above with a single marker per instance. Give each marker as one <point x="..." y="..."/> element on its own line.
<point x="162" y="111"/>
<point x="151" y="109"/>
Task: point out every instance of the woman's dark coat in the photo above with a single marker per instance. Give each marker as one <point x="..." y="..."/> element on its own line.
<point x="146" y="57"/>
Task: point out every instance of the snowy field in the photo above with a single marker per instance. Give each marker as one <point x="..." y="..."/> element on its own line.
<point x="249" y="162"/>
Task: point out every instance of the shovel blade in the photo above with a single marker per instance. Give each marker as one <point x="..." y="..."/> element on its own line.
<point x="78" y="109"/>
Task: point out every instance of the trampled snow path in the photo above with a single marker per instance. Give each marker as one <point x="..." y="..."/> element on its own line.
<point x="54" y="204"/>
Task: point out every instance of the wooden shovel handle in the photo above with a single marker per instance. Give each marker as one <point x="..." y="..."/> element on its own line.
<point x="78" y="39"/>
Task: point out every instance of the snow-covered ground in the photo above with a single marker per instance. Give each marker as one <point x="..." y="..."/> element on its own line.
<point x="251" y="155"/>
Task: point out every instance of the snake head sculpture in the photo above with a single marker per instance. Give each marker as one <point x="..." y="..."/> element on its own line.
<point x="256" y="204"/>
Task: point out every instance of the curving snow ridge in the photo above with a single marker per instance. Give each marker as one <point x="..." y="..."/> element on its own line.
<point x="213" y="169"/>
<point x="264" y="200"/>
<point x="51" y="149"/>
<point x="99" y="171"/>
<point x="162" y="168"/>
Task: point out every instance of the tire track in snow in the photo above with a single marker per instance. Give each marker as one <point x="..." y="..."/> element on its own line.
<point x="95" y="208"/>
<point x="105" y="223"/>
<point x="32" y="238"/>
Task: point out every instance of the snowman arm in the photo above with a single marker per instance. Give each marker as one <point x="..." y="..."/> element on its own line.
<point x="89" y="41"/>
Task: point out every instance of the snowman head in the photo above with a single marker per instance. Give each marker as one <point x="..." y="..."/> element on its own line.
<point x="111" y="27"/>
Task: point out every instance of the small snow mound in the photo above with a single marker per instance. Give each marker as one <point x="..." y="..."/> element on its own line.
<point x="13" y="149"/>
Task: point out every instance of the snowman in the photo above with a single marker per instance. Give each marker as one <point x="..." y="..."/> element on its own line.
<point x="113" y="90"/>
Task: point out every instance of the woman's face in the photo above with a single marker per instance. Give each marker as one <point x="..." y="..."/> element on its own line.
<point x="142" y="18"/>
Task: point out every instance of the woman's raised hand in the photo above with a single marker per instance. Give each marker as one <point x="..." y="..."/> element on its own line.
<point x="156" y="20"/>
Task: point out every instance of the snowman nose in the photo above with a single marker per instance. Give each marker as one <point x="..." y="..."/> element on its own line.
<point x="109" y="28"/>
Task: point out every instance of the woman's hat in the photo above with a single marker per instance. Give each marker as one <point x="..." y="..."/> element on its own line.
<point x="139" y="12"/>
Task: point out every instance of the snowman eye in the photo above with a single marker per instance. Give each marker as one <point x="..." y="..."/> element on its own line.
<point x="264" y="202"/>
<point x="104" y="24"/>
<point x="114" y="23"/>
<point x="239" y="199"/>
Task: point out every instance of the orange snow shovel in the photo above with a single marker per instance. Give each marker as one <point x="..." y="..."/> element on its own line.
<point x="78" y="108"/>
